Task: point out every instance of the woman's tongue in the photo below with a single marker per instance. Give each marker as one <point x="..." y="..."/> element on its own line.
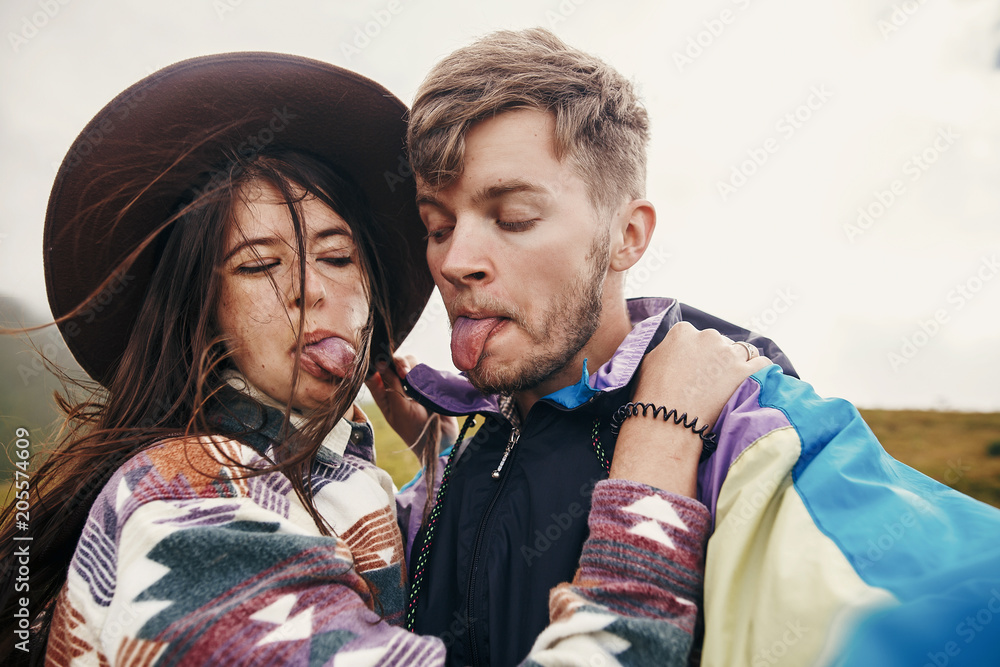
<point x="334" y="355"/>
<point x="468" y="336"/>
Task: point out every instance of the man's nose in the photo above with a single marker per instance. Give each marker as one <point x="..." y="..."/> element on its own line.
<point x="466" y="259"/>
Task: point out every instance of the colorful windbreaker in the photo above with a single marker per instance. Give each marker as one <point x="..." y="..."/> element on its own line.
<point x="186" y="560"/>
<point x="827" y="551"/>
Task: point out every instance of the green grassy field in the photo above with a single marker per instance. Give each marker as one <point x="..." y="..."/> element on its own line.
<point x="391" y="453"/>
<point x="952" y="447"/>
<point x="960" y="449"/>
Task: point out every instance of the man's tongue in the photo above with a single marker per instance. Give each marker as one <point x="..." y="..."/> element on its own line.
<point x="468" y="337"/>
<point x="334" y="355"/>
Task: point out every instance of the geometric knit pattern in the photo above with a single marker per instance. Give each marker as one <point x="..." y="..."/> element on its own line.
<point x="635" y="598"/>
<point x="185" y="560"/>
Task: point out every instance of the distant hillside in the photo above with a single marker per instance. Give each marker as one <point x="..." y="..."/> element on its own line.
<point x="26" y="387"/>
<point x="959" y="449"/>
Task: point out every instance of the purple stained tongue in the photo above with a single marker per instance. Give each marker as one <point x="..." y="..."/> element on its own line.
<point x="468" y="337"/>
<point x="334" y="355"/>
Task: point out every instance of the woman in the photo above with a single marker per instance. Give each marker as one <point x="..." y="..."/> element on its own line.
<point x="220" y="242"/>
<point x="172" y="243"/>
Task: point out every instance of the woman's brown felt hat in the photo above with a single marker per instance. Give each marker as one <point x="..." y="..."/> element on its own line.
<point x="262" y="99"/>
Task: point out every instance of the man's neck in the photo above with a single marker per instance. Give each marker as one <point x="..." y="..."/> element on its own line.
<point x="615" y="325"/>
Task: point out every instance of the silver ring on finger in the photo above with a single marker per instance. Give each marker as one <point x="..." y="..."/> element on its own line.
<point x="751" y="350"/>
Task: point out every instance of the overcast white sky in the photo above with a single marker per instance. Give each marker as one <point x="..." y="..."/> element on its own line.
<point x="839" y="102"/>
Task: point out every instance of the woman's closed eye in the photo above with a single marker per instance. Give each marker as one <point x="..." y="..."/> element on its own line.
<point x="257" y="267"/>
<point x="343" y="260"/>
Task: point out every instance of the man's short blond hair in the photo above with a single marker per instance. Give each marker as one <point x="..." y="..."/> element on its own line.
<point x="600" y="124"/>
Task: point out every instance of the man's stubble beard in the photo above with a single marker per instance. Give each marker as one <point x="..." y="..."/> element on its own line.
<point x="566" y="328"/>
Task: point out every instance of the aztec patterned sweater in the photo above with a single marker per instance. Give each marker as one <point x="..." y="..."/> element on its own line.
<point x="186" y="560"/>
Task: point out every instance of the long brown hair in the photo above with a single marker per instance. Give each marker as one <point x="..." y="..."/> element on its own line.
<point x="172" y="369"/>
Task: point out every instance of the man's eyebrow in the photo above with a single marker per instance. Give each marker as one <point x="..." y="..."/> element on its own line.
<point x="510" y="187"/>
<point x="428" y="199"/>
<point x="487" y="194"/>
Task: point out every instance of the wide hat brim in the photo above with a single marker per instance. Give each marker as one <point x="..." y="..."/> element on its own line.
<point x="261" y="99"/>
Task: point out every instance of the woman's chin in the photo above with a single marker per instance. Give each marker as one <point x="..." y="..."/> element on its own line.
<point x="316" y="395"/>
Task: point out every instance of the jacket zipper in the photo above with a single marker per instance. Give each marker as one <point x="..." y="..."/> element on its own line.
<point x="515" y="435"/>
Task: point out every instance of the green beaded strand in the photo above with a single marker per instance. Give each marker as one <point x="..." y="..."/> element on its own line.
<point x="601" y="456"/>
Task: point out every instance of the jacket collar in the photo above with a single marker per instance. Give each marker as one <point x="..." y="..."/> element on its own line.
<point x="453" y="394"/>
<point x="254" y="417"/>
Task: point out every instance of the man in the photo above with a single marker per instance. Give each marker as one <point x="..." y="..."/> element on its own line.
<point x="530" y="234"/>
<point x="530" y="165"/>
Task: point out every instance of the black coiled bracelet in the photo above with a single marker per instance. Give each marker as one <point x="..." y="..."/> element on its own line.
<point x="709" y="440"/>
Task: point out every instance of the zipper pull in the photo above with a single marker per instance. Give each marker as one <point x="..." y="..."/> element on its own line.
<point x="514" y="435"/>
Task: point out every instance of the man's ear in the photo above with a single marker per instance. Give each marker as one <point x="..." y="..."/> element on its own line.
<point x="632" y="231"/>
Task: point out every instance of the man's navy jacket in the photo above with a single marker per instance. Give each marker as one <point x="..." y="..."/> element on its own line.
<point x="502" y="544"/>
